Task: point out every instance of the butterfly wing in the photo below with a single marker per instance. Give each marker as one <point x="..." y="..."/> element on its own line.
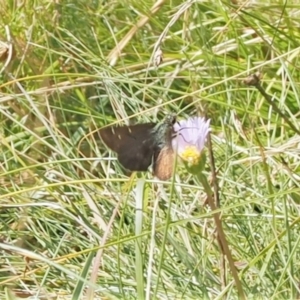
<point x="163" y="163"/>
<point x="134" y="144"/>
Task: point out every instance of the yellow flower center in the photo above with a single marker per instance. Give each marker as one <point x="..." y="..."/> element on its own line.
<point x="191" y="155"/>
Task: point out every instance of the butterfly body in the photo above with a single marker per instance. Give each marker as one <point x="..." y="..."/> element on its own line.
<point x="140" y="145"/>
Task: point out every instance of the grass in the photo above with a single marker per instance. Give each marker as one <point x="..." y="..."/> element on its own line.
<point x="74" y="224"/>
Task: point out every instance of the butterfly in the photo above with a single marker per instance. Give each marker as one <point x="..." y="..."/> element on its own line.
<point x="140" y="145"/>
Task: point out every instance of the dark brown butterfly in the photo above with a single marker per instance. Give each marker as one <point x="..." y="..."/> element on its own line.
<point x="140" y="145"/>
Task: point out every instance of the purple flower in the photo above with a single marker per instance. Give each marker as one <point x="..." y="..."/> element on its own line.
<point x="190" y="140"/>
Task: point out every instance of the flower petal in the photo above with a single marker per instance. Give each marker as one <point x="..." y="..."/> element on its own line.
<point x="191" y="132"/>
